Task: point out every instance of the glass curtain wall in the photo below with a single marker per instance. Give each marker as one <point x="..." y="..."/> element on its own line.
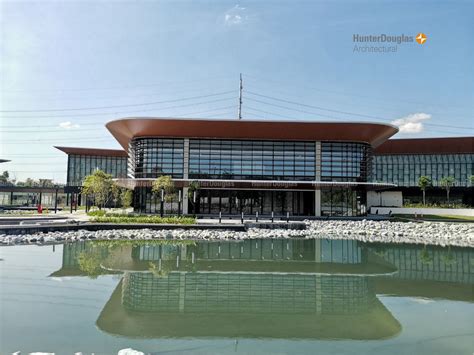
<point x="262" y="160"/>
<point x="345" y="161"/>
<point x="343" y="202"/>
<point x="79" y="166"/>
<point x="147" y="202"/>
<point x="405" y="170"/>
<point x="297" y="203"/>
<point x="154" y="157"/>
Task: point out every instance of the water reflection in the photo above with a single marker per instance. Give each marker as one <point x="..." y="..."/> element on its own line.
<point x="264" y="288"/>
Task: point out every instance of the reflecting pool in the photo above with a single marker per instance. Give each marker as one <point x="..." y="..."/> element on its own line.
<point x="282" y="296"/>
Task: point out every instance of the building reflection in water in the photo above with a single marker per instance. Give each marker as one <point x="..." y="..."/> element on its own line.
<point x="264" y="288"/>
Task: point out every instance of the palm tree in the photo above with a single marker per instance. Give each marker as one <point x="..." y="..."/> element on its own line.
<point x="423" y="183"/>
<point x="447" y="182"/>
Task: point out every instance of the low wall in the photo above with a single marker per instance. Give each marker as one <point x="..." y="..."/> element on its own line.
<point x="425" y="211"/>
<point x="385" y="198"/>
<point x="31" y="229"/>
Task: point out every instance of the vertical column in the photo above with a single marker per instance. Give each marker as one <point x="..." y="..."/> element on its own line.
<point x="317" y="192"/>
<point x="185" y="200"/>
<point x="182" y="291"/>
<point x="319" y="296"/>
<point x="186" y="159"/>
<point x="185" y="174"/>
<point x="317" y="203"/>
<point x="317" y="250"/>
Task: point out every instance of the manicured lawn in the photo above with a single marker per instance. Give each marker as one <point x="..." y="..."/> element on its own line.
<point x="446" y="218"/>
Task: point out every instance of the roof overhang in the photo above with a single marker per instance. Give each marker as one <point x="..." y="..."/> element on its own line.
<point x="126" y="129"/>
<point x="93" y="151"/>
<point x="445" y="145"/>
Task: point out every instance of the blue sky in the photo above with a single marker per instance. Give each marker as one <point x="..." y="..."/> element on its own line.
<point x="187" y="56"/>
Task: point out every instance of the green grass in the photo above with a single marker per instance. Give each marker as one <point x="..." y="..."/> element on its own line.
<point x="24" y="213"/>
<point x="436" y="217"/>
<point x="117" y="218"/>
<point x="435" y="205"/>
<point x="96" y="213"/>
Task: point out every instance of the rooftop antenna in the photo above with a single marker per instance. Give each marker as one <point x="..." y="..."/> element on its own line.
<point x="240" y="97"/>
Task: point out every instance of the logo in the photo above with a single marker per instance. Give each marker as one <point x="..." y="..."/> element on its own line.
<point x="421" y="38"/>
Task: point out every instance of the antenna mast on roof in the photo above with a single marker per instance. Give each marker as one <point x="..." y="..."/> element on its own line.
<point x="240" y="98"/>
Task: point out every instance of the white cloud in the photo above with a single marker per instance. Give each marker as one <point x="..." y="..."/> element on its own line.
<point x="235" y="16"/>
<point x="68" y="125"/>
<point x="412" y="123"/>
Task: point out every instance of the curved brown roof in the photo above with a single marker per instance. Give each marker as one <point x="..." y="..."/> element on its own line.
<point x="94" y="151"/>
<point x="127" y="128"/>
<point x="448" y="145"/>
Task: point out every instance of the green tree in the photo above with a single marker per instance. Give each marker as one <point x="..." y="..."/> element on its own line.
<point x="126" y="197"/>
<point x="425" y="256"/>
<point x="166" y="184"/>
<point x="45" y="183"/>
<point x="115" y="192"/>
<point x="5" y="178"/>
<point x="471" y="180"/>
<point x="89" y="262"/>
<point x="423" y="183"/>
<point x="100" y="187"/>
<point x="29" y="182"/>
<point x="193" y="186"/>
<point x="447" y="182"/>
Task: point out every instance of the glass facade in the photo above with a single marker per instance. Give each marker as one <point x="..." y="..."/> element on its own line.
<point x="297" y="203"/>
<point x="147" y="202"/>
<point x="305" y="250"/>
<point x="345" y="161"/>
<point x="153" y="157"/>
<point x="258" y="160"/>
<point x="79" y="166"/>
<point x="253" y="160"/>
<point x="405" y="170"/>
<point x="195" y="159"/>
<point x="343" y="202"/>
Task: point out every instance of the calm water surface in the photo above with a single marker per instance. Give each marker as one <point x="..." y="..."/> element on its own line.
<point x="256" y="296"/>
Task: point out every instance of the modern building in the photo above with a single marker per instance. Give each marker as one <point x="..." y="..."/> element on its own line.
<point x="403" y="161"/>
<point x="301" y="168"/>
<point x="84" y="161"/>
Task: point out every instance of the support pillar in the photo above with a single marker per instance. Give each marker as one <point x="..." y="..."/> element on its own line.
<point x="317" y="203"/>
<point x="56" y="201"/>
<point x="317" y="192"/>
<point x="11" y="198"/>
<point x="182" y="291"/>
<point x="185" y="200"/>
<point x="185" y="175"/>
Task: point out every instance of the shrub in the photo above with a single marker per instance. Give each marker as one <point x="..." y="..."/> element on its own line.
<point x="96" y="213"/>
<point x="117" y="218"/>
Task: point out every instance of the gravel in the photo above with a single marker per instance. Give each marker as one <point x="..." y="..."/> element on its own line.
<point x="433" y="233"/>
